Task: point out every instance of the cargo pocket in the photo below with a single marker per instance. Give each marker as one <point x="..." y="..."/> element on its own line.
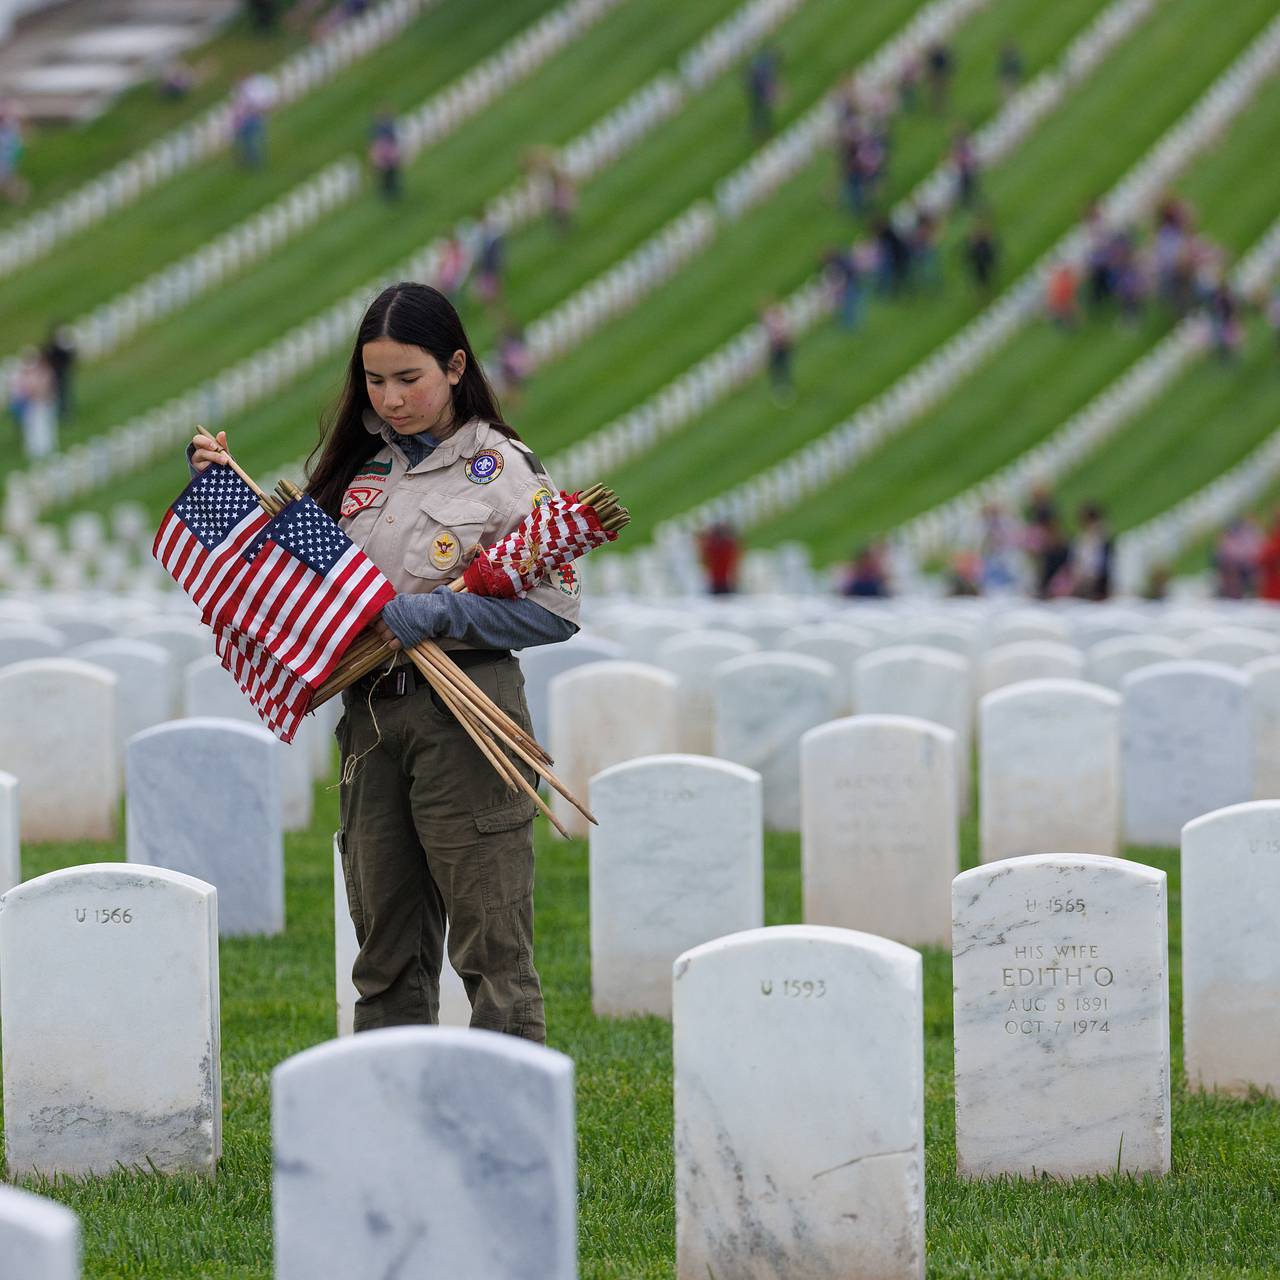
<point x="506" y="852"/>
<point x="351" y="880"/>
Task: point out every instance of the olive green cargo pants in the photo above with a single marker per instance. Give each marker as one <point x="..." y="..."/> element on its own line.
<point x="431" y="835"/>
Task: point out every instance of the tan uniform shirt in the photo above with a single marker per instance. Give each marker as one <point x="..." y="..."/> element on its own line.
<point x="422" y="525"/>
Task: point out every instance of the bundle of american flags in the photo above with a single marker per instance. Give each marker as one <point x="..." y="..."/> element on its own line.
<point x="553" y="534"/>
<point x="283" y="593"/>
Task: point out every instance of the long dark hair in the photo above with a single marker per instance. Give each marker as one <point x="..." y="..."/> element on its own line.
<point x="418" y="316"/>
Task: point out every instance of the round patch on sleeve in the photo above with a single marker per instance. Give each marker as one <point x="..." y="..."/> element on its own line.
<point x="446" y="550"/>
<point x="485" y="467"/>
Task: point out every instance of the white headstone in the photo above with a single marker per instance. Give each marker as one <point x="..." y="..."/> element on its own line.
<point x="1108" y="662"/>
<point x="10" y="837"/>
<point x="1021" y="625"/>
<point x="1030" y="660"/>
<point x="425" y="1151"/>
<point x="1187" y="743"/>
<point x="186" y="639"/>
<point x="1264" y="701"/>
<point x="39" y="1238"/>
<point x="692" y="657"/>
<point x="602" y="714"/>
<point x="1060" y="971"/>
<point x="1234" y="646"/>
<point x="1231" y="948"/>
<point x="1049" y="769"/>
<point x="58" y="738"/>
<point x="455" y="1006"/>
<point x="930" y="684"/>
<point x="542" y="664"/>
<point x="840" y="645"/>
<point x="202" y="797"/>
<point x="799" y="1107"/>
<point x="641" y="632"/>
<point x="109" y="1008"/>
<point x="26" y="641"/>
<point x="951" y="635"/>
<point x="678" y="859"/>
<point x="146" y="682"/>
<point x="878" y="838"/>
<point x="765" y="703"/>
<point x="209" y="691"/>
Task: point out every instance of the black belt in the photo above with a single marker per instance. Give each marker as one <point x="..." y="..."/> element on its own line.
<point x="406" y="678"/>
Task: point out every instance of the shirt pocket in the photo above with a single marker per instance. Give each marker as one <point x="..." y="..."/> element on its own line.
<point x="445" y="537"/>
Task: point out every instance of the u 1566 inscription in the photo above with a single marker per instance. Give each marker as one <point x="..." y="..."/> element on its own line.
<point x="104" y="915"/>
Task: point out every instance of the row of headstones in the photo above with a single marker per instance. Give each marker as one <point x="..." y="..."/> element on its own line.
<point x="1057" y="755"/>
<point x="790" y="481"/>
<point x="799" y="1069"/>
<point x="195" y="142"/>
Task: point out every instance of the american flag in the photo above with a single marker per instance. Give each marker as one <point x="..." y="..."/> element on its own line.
<point x="284" y="595"/>
<point x="550" y="536"/>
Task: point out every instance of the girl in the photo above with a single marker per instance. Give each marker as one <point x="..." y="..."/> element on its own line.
<point x="419" y="469"/>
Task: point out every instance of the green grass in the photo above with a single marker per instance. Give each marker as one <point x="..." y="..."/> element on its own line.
<point x="1038" y="380"/>
<point x="773" y="248"/>
<point x="1216" y="1215"/>
<point x="1037" y="197"/>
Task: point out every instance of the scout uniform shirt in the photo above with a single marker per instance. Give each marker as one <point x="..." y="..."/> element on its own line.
<point x="422" y="525"/>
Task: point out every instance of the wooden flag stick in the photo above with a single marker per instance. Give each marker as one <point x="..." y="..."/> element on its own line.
<point x="509" y="772"/>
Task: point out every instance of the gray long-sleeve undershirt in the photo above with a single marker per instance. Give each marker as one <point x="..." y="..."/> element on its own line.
<point x="480" y="621"/>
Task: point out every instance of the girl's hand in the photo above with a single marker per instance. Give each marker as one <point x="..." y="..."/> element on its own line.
<point x="384" y="633"/>
<point x="207" y="449"/>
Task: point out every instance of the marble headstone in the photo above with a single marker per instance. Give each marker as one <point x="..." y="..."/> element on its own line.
<point x="1231" y="948"/>
<point x="678" y="859"/>
<point x="878" y="835"/>
<point x="1187" y="744"/>
<point x="209" y="691"/>
<point x="455" y="1006"/>
<point x="928" y="683"/>
<point x="837" y="643"/>
<point x="1264" y="701"/>
<point x="26" y="641"/>
<point x="109" y="1008"/>
<point x="1030" y="660"/>
<point x="58" y="738"/>
<point x="39" y="1238"/>
<point x="1108" y="662"/>
<point x="146" y="682"/>
<point x="799" y="1107"/>
<point x="1234" y="646"/>
<point x="425" y="1151"/>
<point x="10" y="833"/>
<point x="692" y="657"/>
<point x="602" y="714"/>
<point x="1049" y="769"/>
<point x="202" y="798"/>
<point x="542" y="664"/>
<point x="765" y="703"/>
<point x="185" y="639"/>
<point x="1060" y="973"/>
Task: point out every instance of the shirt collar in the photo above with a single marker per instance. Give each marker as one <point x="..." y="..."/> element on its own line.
<point x="463" y="443"/>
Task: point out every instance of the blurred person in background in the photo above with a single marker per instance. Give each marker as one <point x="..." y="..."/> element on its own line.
<point x="386" y="157"/>
<point x="1010" y="68"/>
<point x="720" y="552"/>
<point x="1236" y="557"/>
<point x="893" y="257"/>
<point x="964" y="574"/>
<point x="264" y="14"/>
<point x="1003" y="538"/>
<point x="564" y="198"/>
<point x="1092" y="554"/>
<point x="866" y="574"/>
<point x="964" y="164"/>
<point x="33" y="403"/>
<point x="1054" y="577"/>
<point x="253" y="99"/>
<point x="514" y="361"/>
<point x="1273" y="316"/>
<point x="491" y="260"/>
<point x="764" y="88"/>
<point x="982" y="253"/>
<point x="60" y="355"/>
<point x="1224" y="321"/>
<point x="13" y="187"/>
<point x="940" y="64"/>
<point x="844" y="276"/>
<point x="1269" y="562"/>
<point x="777" y="330"/>
<point x="922" y="247"/>
<point x="1060" y="296"/>
<point x="453" y="267"/>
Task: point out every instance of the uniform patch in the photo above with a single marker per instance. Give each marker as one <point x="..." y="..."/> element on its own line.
<point x="541" y="498"/>
<point x="567" y="580"/>
<point x="446" y="550"/>
<point x="485" y="467"/>
<point x="374" y="470"/>
<point x="359" y="496"/>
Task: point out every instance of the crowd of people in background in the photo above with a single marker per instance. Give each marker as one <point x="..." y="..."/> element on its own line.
<point x="1246" y="559"/>
<point x="40" y="393"/>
